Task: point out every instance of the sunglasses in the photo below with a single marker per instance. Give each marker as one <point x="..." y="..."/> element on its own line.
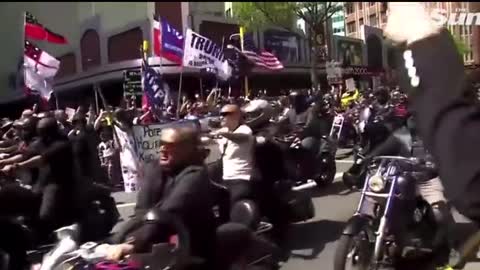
<point x="226" y="113"/>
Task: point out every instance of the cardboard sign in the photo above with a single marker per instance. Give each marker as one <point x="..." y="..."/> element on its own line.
<point x="147" y="139"/>
<point x="350" y="84"/>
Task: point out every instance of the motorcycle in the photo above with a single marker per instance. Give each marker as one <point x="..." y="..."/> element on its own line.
<point x="173" y="253"/>
<point x="95" y="220"/>
<point x="391" y="222"/>
<point x="322" y="170"/>
<point x="353" y="178"/>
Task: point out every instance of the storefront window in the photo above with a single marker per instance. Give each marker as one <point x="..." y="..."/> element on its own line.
<point x="284" y="45"/>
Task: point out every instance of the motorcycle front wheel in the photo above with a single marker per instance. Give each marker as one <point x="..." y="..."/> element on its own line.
<point x="327" y="174"/>
<point x="353" y="252"/>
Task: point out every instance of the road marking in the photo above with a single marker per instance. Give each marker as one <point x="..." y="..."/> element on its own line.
<point x="338" y="175"/>
<point x="344" y="161"/>
<point x="123" y="205"/>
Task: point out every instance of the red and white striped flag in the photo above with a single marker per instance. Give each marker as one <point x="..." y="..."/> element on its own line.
<point x="260" y="58"/>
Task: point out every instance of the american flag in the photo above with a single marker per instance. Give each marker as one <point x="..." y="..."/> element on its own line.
<point x="260" y="58"/>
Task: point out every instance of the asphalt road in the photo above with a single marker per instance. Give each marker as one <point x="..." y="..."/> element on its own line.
<point x="313" y="243"/>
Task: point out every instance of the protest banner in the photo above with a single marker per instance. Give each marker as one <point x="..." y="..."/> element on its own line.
<point x="147" y="139"/>
<point x="128" y="160"/>
<point x="200" y="52"/>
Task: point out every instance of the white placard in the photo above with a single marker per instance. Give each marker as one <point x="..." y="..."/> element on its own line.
<point x="128" y="160"/>
<point x="350" y="84"/>
<point x="147" y="139"/>
<point x="201" y="52"/>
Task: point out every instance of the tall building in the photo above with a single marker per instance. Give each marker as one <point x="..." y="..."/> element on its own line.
<point x="338" y="23"/>
<point x="364" y="13"/>
<point x="374" y="14"/>
<point x="467" y="34"/>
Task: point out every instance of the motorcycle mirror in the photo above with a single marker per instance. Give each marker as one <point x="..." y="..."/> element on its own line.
<point x="71" y="231"/>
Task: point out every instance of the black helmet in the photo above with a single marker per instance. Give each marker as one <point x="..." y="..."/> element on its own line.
<point x="258" y="113"/>
<point x="47" y="129"/>
<point x="28" y="126"/>
<point x="299" y="101"/>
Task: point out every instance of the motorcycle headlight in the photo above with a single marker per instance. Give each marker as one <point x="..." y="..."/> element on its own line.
<point x="376" y="183"/>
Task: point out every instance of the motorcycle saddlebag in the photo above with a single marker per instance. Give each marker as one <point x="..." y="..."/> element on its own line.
<point x="299" y="206"/>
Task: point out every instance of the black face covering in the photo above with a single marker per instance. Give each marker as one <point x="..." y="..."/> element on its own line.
<point x="28" y="129"/>
<point x="48" y="130"/>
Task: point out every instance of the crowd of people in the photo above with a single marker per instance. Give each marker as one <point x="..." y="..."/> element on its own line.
<point x="55" y="156"/>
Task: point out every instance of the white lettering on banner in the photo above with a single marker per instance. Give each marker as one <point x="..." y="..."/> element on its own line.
<point x="201" y="52"/>
<point x="173" y="48"/>
<point x="128" y="160"/>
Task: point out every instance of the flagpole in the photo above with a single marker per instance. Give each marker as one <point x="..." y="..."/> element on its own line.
<point x="179" y="98"/>
<point x="179" y="93"/>
<point x="161" y="58"/>
<point x="57" y="102"/>
<point x="201" y="87"/>
<point x="23" y="46"/>
<point x="241" y="47"/>
<point x="97" y="109"/>
<point x="223" y="47"/>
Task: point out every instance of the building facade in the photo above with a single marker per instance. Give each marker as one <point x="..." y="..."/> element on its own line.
<point x="374" y="14"/>
<point x="338" y="22"/>
<point x="364" y="13"/>
<point x="105" y="38"/>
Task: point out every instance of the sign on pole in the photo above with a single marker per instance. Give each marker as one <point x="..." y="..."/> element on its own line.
<point x="132" y="82"/>
<point x="334" y="72"/>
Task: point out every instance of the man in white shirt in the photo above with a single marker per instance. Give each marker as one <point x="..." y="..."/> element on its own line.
<point x="236" y="146"/>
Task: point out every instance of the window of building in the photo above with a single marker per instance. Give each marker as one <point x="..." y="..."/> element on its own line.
<point x="361" y="22"/>
<point x="349" y="7"/>
<point x="373" y="20"/>
<point x="68" y="65"/>
<point x="90" y="50"/>
<point x="125" y="46"/>
<point x="372" y="3"/>
<point x="360" y="5"/>
<point x="351" y="27"/>
<point x="216" y="31"/>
